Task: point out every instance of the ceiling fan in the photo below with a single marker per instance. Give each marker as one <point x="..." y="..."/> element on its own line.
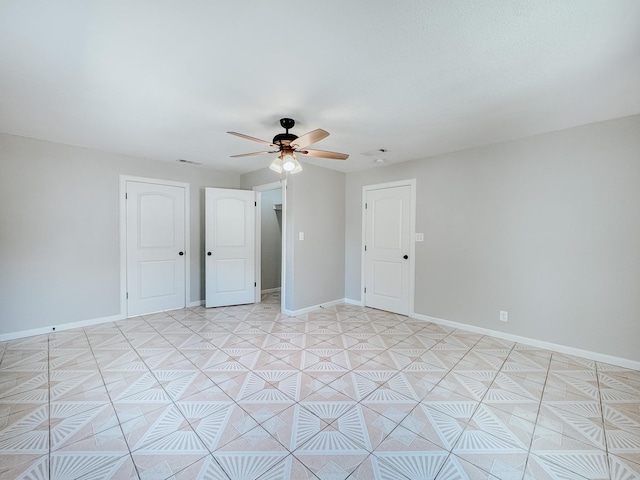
<point x="287" y="145"/>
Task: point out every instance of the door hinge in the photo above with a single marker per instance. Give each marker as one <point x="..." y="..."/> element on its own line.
<point x="127" y="295"/>
<point x="126" y="196"/>
<point x="365" y="289"/>
<point x="365" y="206"/>
<point x="255" y="204"/>
<point x="365" y="248"/>
<point x="255" y="284"/>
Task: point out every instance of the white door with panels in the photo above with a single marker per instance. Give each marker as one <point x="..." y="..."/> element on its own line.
<point x="155" y="243"/>
<point x="229" y="247"/>
<point x="387" y="238"/>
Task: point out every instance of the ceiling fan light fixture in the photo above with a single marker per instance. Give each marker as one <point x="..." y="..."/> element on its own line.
<point x="276" y="165"/>
<point x="286" y="164"/>
<point x="289" y="162"/>
<point x="297" y="169"/>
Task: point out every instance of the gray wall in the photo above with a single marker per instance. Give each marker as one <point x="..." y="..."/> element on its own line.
<point x="546" y="228"/>
<point x="271" y="240"/>
<point x="60" y="230"/>
<point x="315" y="205"/>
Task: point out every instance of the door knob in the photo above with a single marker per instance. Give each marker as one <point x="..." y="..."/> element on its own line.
<point x="209" y="253"/>
<point x="405" y="257"/>
<point x="181" y="253"/>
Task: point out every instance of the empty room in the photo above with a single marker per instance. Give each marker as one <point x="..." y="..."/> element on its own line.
<point x="335" y="240"/>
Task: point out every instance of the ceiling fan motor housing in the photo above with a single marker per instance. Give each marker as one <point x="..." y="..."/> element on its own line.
<point x="284" y="139"/>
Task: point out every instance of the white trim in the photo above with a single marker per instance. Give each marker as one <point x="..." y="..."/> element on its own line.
<point x="270" y="186"/>
<point x="123" y="245"/>
<point x="295" y="313"/>
<point x="123" y="235"/>
<point x="351" y="301"/>
<point x="197" y="303"/>
<point x="283" y="265"/>
<point x="59" y="328"/>
<point x="412" y="246"/>
<point x="578" y="352"/>
<point x="257" y="246"/>
<point x="270" y="290"/>
<point x="598" y="357"/>
<point x="412" y="184"/>
<point x="282" y="185"/>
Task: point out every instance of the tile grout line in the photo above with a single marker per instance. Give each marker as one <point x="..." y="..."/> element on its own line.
<point x="124" y="437"/>
<point x="211" y="453"/>
<point x="379" y="326"/>
<point x="535" y="425"/>
<point x="604" y="426"/>
<point x="480" y="402"/>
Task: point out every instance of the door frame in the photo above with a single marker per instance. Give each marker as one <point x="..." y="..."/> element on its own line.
<point x="282" y="184"/>
<point x="411" y="183"/>
<point x="123" y="236"/>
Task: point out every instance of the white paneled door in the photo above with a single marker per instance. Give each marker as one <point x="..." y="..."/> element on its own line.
<point x="156" y="257"/>
<point x="387" y="248"/>
<point x="229" y="247"/>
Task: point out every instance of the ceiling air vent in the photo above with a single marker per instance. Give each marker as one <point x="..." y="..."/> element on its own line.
<point x="373" y="153"/>
<point x="190" y="162"/>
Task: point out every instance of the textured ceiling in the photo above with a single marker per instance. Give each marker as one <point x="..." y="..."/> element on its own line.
<point x="167" y="79"/>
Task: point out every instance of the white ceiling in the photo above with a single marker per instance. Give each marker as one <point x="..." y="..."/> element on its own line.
<point x="167" y="79"/>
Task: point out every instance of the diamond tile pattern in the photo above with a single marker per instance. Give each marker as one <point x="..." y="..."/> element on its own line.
<point x="345" y="392"/>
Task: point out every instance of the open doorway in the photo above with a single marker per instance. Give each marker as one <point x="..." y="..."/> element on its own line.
<point x="270" y="248"/>
<point x="271" y="245"/>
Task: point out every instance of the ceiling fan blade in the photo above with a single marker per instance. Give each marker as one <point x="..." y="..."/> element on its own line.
<point x="253" y="153"/>
<point x="323" y="154"/>
<point x="242" y="135"/>
<point x="309" y="138"/>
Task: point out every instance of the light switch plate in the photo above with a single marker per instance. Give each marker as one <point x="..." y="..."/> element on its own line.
<point x="301" y="236"/>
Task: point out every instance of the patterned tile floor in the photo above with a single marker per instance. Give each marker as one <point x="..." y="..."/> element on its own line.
<point x="346" y="392"/>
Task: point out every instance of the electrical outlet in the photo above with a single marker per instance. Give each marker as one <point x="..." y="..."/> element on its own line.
<point x="504" y="316"/>
<point x="300" y="235"/>
<point x="419" y="237"/>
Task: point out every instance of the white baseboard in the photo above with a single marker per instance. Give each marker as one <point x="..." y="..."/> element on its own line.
<point x="59" y="328"/>
<point x="294" y="313"/>
<point x="68" y="326"/>
<point x="351" y="301"/>
<point x="598" y="357"/>
<point x="270" y="290"/>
